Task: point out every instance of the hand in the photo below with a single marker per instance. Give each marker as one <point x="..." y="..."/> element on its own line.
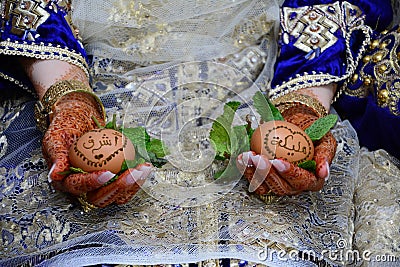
<point x="72" y="117"/>
<point x="284" y="178"/>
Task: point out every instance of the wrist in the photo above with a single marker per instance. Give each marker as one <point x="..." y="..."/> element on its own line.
<point x="60" y="92"/>
<point x="292" y="103"/>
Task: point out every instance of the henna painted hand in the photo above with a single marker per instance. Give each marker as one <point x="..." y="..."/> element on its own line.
<point x="72" y="117"/>
<point x="284" y="178"/>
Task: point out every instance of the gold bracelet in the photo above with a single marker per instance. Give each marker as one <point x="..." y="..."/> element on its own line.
<point x="43" y="108"/>
<point x="292" y="99"/>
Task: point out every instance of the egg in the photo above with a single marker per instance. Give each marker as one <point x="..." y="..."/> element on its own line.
<point x="282" y="139"/>
<point x="101" y="149"/>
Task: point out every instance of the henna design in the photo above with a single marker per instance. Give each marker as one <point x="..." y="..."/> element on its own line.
<point x="72" y="116"/>
<point x="44" y="73"/>
<point x="80" y="183"/>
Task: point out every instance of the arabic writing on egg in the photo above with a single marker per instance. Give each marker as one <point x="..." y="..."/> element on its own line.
<point x="105" y="141"/>
<point x="287" y="142"/>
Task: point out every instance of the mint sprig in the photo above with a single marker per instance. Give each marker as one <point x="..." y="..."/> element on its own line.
<point x="147" y="148"/>
<point x="229" y="141"/>
<point x="221" y="131"/>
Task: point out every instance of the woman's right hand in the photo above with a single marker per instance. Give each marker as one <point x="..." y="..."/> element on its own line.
<point x="282" y="177"/>
<point x="72" y="117"/>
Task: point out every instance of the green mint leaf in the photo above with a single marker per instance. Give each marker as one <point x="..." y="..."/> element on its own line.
<point x="240" y="140"/>
<point x="72" y="170"/>
<point x="309" y="165"/>
<point x="76" y="170"/>
<point x="138" y="137"/>
<point x="156" y="161"/>
<point x="149" y="149"/>
<point x="321" y="126"/>
<point x="221" y="131"/>
<point x="265" y="108"/>
<point x="128" y="164"/>
<point x="229" y="172"/>
<point x="157" y="147"/>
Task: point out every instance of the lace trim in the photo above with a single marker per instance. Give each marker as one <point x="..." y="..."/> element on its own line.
<point x="42" y="51"/>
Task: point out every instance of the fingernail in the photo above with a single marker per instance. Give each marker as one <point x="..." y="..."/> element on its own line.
<point x="134" y="176"/>
<point x="50" y="172"/>
<point x="261" y="164"/>
<point x="328" y="170"/>
<point x="280" y="166"/>
<point x="146" y="171"/>
<point x="246" y="158"/>
<point x="105" y="177"/>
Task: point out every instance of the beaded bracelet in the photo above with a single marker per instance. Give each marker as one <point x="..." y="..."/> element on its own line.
<point x="43" y="108"/>
<point x="294" y="99"/>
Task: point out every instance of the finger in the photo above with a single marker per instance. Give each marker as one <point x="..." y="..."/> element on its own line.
<point x="298" y="178"/>
<point x="243" y="161"/>
<point x="324" y="153"/>
<point x="278" y="185"/>
<point x="56" y="152"/>
<point x="262" y="167"/>
<point x="263" y="188"/>
<point x="106" y="195"/>
<point x="254" y="168"/>
<point x="127" y="193"/>
<point x="80" y="183"/>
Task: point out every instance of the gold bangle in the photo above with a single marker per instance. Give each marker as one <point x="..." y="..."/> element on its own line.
<point x="44" y="107"/>
<point x="292" y="99"/>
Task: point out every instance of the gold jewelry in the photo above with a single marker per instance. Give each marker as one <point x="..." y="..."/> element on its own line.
<point x="86" y="206"/>
<point x="293" y="99"/>
<point x="44" y="107"/>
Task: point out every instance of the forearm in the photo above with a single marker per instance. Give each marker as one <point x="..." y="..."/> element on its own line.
<point x="45" y="73"/>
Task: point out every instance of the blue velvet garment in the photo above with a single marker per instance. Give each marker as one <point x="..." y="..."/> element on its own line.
<point x="311" y="62"/>
<point x="376" y="113"/>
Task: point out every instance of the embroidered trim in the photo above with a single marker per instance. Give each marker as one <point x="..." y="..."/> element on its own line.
<point x="42" y="51"/>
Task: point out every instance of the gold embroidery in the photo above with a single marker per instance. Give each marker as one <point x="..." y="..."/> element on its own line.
<point x="314" y="26"/>
<point x="380" y="73"/>
<point x="28" y="15"/>
<point x="16" y="82"/>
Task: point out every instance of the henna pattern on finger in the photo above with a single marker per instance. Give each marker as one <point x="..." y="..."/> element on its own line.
<point x="80" y="183"/>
